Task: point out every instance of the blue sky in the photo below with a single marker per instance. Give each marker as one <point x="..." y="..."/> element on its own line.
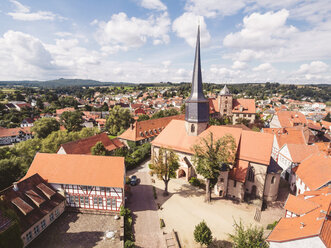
<point x="243" y="41"/>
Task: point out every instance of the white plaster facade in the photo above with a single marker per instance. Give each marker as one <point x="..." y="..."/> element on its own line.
<point x="311" y="242"/>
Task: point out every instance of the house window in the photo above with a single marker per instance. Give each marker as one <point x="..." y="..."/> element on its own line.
<point x="222" y="180"/>
<point x="36" y="230"/>
<point x="251" y="174"/>
<point x="51" y="217"/>
<point x="76" y="200"/>
<point x="108" y="202"/>
<point x="89" y="188"/>
<point x="234" y="184"/>
<point x="100" y="202"/>
<point x="95" y="201"/>
<point x="82" y="200"/>
<point x="249" y="115"/>
<point x="192" y="128"/>
<point x="102" y="189"/>
<point x="113" y="204"/>
<point x="86" y="200"/>
<point x="28" y="236"/>
<point x="57" y="213"/>
<point x="273" y="180"/>
<point x="43" y="224"/>
<point x="71" y="200"/>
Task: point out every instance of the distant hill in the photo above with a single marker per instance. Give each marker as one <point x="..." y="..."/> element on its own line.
<point x="62" y="82"/>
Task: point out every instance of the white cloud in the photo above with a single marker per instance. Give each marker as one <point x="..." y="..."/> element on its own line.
<point x="213" y="8"/>
<point x="265" y="67"/>
<point x="261" y="31"/>
<point x="166" y="63"/>
<point x="239" y="65"/>
<point x="63" y="34"/>
<point x="315" y="67"/>
<point x="185" y="27"/>
<point x="153" y="4"/>
<point x="123" y="33"/>
<point x="23" y="13"/>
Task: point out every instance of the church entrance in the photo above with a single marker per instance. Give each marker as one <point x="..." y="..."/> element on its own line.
<point x="181" y="173"/>
<point x="253" y="193"/>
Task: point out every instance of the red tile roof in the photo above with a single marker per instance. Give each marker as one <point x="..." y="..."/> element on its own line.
<point x="315" y="223"/>
<point x="239" y="171"/>
<point x="315" y="171"/>
<point x="290" y="135"/>
<point x="146" y="129"/>
<point x="247" y="104"/>
<point x="76" y="169"/>
<point x="252" y="146"/>
<point x="299" y="205"/>
<point x="8" y="132"/>
<point x="291" y="118"/>
<point x="300" y="151"/>
<point x="83" y="146"/>
<point x="60" y="111"/>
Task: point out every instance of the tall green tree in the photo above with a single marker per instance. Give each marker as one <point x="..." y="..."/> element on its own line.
<point x="202" y="234"/>
<point x="45" y="126"/>
<point x="99" y="149"/>
<point x="119" y="120"/>
<point x="72" y="121"/>
<point x="248" y="237"/>
<point x="211" y="156"/>
<point x="165" y="165"/>
<point x="143" y="117"/>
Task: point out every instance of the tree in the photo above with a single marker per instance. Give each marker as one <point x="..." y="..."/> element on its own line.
<point x="248" y="237"/>
<point x="119" y="120"/>
<point x="10" y="171"/>
<point x="143" y="117"/>
<point x="202" y="234"/>
<point x="243" y="121"/>
<point x="99" y="149"/>
<point x="165" y="165"/>
<point x="45" y="126"/>
<point x="212" y="156"/>
<point x="72" y="121"/>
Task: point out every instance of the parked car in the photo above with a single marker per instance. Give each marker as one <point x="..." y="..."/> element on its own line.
<point x="133" y="180"/>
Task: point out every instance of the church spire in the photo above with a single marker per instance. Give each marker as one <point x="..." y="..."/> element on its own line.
<point x="197" y="106"/>
<point x="197" y="91"/>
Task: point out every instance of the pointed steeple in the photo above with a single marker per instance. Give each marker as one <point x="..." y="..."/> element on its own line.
<point x="197" y="91"/>
<point x="197" y="106"/>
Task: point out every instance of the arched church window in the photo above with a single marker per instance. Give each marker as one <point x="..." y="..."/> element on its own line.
<point x="273" y="179"/>
<point x="192" y="128"/>
<point x="251" y="174"/>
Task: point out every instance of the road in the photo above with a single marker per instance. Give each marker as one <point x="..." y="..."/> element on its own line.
<point x="145" y="217"/>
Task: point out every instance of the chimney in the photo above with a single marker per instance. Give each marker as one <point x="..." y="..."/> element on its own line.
<point x="15" y="186"/>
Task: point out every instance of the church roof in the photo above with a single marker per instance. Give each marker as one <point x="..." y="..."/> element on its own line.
<point x="251" y="146"/>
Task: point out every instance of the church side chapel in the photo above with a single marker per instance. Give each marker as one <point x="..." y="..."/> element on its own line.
<point x="252" y="176"/>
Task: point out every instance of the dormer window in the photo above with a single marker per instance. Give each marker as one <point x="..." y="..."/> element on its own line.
<point x="151" y="132"/>
<point x="141" y="134"/>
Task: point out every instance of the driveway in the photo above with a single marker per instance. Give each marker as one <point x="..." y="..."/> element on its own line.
<point x="145" y="217"/>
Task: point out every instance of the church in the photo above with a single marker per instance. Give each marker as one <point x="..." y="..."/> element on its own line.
<point x="253" y="175"/>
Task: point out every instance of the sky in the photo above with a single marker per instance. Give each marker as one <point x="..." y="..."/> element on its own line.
<point x="144" y="41"/>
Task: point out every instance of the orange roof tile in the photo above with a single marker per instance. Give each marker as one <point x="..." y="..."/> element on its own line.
<point x="315" y="171"/>
<point x="291" y="118"/>
<point x="239" y="171"/>
<point x="76" y="169"/>
<point x="60" y="111"/>
<point x="299" y="205"/>
<point x="83" y="146"/>
<point x="315" y="223"/>
<point x="255" y="147"/>
<point x="8" y="132"/>
<point x="289" y="135"/>
<point x="247" y="104"/>
<point x="149" y="128"/>
<point x="300" y="151"/>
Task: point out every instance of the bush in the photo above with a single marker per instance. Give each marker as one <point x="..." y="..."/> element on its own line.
<point x="202" y="234"/>
<point x="272" y="225"/>
<point x="162" y="223"/>
<point x="127" y="180"/>
<point x="128" y="234"/>
<point x="129" y="244"/>
<point x="194" y="181"/>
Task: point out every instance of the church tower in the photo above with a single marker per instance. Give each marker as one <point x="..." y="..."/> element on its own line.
<point x="225" y="102"/>
<point x="197" y="106"/>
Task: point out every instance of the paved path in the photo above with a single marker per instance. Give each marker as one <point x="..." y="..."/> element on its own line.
<point x="146" y="220"/>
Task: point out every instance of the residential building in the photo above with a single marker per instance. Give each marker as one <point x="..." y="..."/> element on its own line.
<point x="60" y="111"/>
<point x="84" y="146"/>
<point x="253" y="174"/>
<point x="288" y="119"/>
<point x="27" y="122"/>
<point x="307" y="222"/>
<point x="36" y="203"/>
<point x="226" y="105"/>
<point x="145" y="131"/>
<point x="313" y="173"/>
<point x="88" y="182"/>
<point x="9" y="136"/>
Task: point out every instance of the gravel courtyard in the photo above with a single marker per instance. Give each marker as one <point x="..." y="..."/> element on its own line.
<point x="77" y="230"/>
<point x="185" y="207"/>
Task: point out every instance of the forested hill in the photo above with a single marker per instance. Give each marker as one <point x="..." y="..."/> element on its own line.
<point x="62" y="82"/>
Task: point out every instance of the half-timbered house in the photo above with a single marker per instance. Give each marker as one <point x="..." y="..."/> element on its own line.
<point x="88" y="182"/>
